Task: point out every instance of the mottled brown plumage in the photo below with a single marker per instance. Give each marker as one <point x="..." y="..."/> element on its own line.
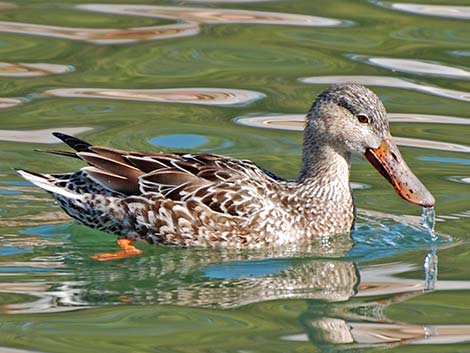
<point x="212" y="200"/>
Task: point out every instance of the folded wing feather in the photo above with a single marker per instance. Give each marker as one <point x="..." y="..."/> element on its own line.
<point x="223" y="184"/>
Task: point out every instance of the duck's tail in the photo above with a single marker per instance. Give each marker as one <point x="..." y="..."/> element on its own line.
<point x="48" y="183"/>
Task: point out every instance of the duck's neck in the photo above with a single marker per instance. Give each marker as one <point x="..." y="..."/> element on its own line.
<point x="323" y="185"/>
<point x="323" y="165"/>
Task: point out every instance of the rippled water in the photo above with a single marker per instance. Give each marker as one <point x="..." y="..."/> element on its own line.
<point x="246" y="71"/>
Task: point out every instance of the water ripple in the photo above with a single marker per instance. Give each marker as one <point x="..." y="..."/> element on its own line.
<point x="450" y="11"/>
<point x="50" y="297"/>
<point x="226" y="1"/>
<point x="460" y="179"/>
<point x="427" y="118"/>
<point x="385" y="81"/>
<point x="103" y="36"/>
<point x="39" y="136"/>
<point x="189" y="19"/>
<point x="296" y="122"/>
<point x="32" y="69"/>
<point x="7" y="6"/>
<point x="208" y="15"/>
<point x="417" y="67"/>
<point x="8" y="102"/>
<point x="431" y="144"/>
<point x="204" y="96"/>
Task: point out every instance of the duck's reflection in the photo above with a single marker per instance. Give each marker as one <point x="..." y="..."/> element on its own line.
<point x="226" y="279"/>
<point x="221" y="279"/>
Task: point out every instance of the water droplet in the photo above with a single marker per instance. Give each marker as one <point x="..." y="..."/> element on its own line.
<point x="428" y="218"/>
<point x="430" y="270"/>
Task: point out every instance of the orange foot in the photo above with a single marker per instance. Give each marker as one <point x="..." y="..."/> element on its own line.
<point x="127" y="250"/>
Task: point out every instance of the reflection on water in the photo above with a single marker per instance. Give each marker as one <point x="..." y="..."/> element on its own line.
<point x="205" y="96"/>
<point x="103" y="36"/>
<point x="296" y="122"/>
<point x="179" y="141"/>
<point x="460" y="179"/>
<point x="203" y="143"/>
<point x="7" y="5"/>
<point x="355" y="335"/>
<point x="431" y="144"/>
<point x="378" y="289"/>
<point x="210" y="15"/>
<point x="417" y="67"/>
<point x="427" y="118"/>
<point x="451" y="11"/>
<point x="226" y="1"/>
<point x="10" y="102"/>
<point x="189" y="18"/>
<point x="32" y="69"/>
<point x="47" y="294"/>
<point x="17" y="350"/>
<point x="227" y="279"/>
<point x="385" y="81"/>
<point x="328" y="274"/>
<point x="39" y="136"/>
<point x="460" y="53"/>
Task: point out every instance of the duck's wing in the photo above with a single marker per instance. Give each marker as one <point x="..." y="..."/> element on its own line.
<point x="225" y="185"/>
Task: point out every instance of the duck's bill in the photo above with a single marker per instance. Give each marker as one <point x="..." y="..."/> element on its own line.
<point x="389" y="162"/>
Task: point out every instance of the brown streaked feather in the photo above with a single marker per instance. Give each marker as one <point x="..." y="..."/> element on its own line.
<point x="186" y="166"/>
<point x="182" y="192"/>
<point x="112" y="181"/>
<point x="111" y="166"/>
<point x="146" y="164"/>
<point x="212" y="180"/>
<point x="171" y="177"/>
<point x="111" y="153"/>
<point x="214" y="174"/>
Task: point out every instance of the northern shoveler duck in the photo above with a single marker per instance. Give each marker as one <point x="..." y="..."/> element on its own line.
<point x="187" y="199"/>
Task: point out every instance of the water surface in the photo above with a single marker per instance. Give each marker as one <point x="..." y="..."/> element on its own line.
<point x="234" y="77"/>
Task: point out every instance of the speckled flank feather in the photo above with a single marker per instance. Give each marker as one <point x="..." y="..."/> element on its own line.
<point x="213" y="200"/>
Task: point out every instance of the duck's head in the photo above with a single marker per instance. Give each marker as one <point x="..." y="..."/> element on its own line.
<point x="350" y="118"/>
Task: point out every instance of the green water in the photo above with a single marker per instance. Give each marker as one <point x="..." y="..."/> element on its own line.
<point x="372" y="294"/>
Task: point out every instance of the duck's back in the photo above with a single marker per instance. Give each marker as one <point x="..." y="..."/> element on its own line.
<point x="175" y="199"/>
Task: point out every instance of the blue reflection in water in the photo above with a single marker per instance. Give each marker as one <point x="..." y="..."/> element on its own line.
<point x="9" y="192"/>
<point x="464" y="161"/>
<point x="10" y="250"/>
<point x="47" y="230"/>
<point x="25" y="269"/>
<point x="179" y="141"/>
<point x="372" y="241"/>
<point x="246" y="269"/>
<point x="16" y="183"/>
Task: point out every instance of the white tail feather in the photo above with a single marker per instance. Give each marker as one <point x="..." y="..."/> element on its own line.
<point x="44" y="183"/>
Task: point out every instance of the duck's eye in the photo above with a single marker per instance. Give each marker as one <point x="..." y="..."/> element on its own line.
<point x="363" y="119"/>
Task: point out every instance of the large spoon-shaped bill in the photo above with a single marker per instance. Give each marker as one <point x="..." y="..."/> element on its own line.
<point x="389" y="162"/>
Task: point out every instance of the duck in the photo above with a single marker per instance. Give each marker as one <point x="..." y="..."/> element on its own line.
<point x="211" y="200"/>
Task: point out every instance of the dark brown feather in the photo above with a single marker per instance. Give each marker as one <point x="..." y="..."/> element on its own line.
<point x="111" y="166"/>
<point x="111" y="153"/>
<point x="146" y="164"/>
<point x="178" y="176"/>
<point x="112" y="181"/>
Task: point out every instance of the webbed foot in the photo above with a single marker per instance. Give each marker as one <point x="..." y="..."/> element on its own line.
<point x="127" y="250"/>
